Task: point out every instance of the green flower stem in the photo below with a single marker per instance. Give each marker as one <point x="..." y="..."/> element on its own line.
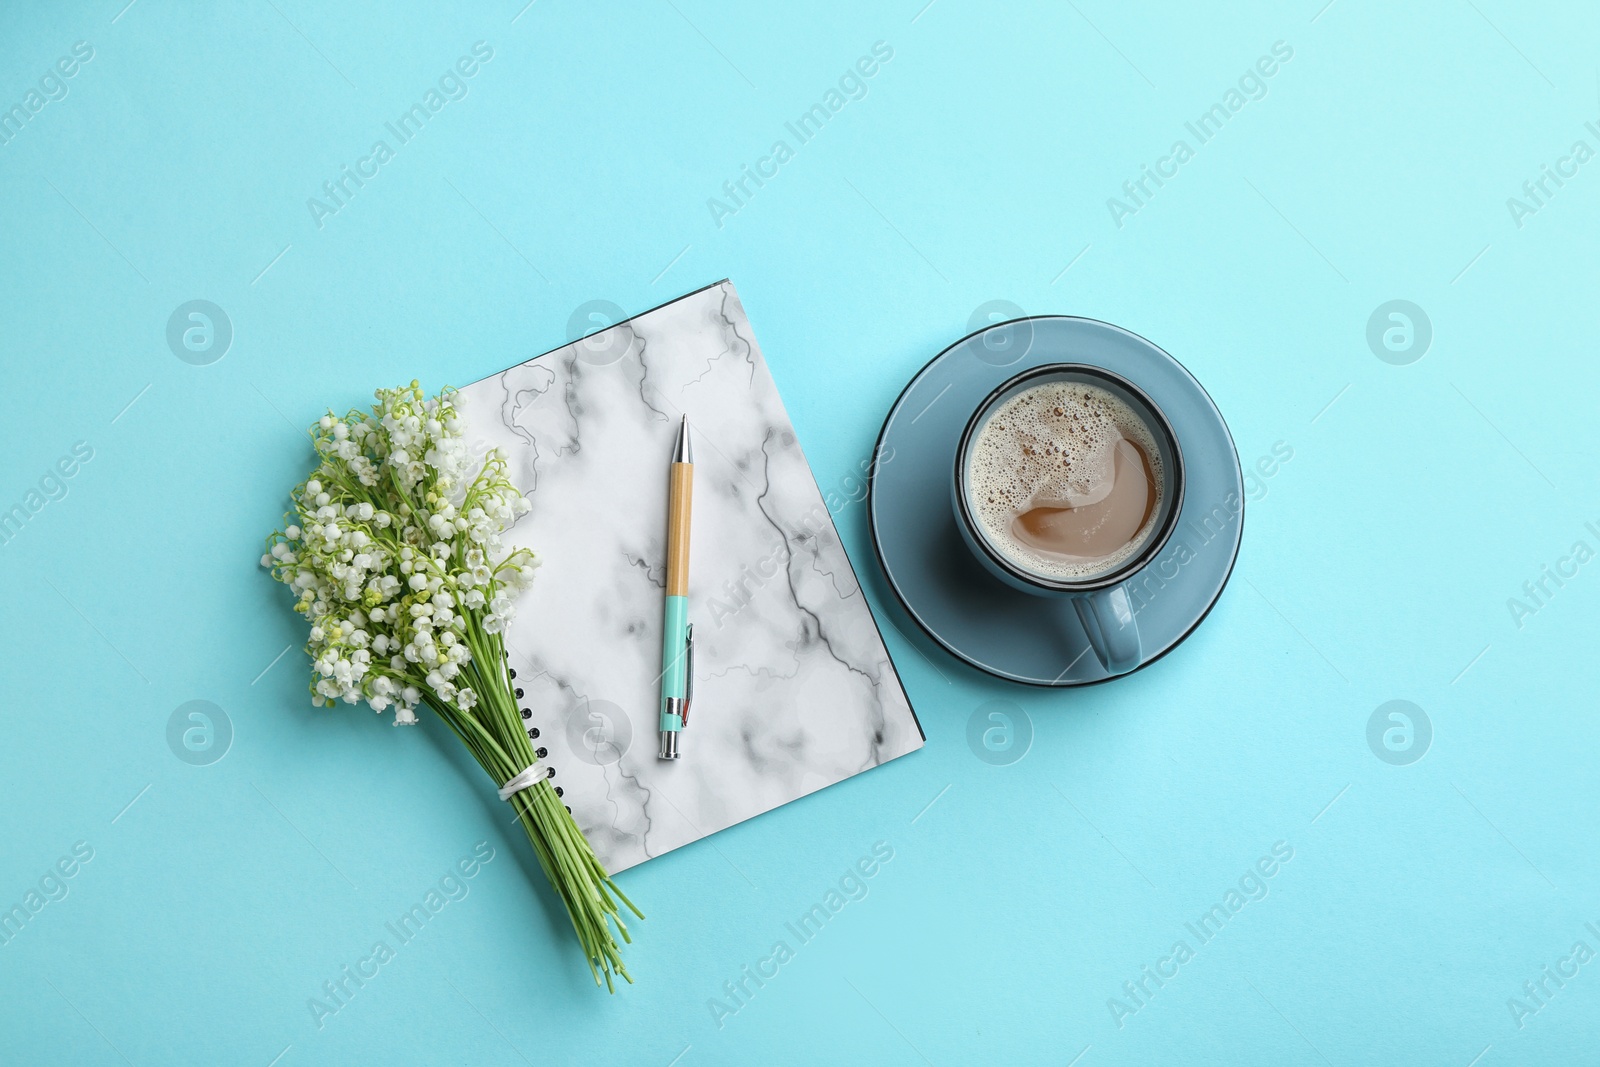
<point x="489" y="731"/>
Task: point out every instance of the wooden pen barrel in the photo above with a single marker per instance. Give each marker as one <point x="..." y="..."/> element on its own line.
<point x="680" y="492"/>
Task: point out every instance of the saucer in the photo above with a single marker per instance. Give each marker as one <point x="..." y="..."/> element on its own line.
<point x="947" y="592"/>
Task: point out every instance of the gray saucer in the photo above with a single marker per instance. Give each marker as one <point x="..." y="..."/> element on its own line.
<point x="973" y="615"/>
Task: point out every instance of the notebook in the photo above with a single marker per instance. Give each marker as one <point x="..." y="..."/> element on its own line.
<point x="793" y="688"/>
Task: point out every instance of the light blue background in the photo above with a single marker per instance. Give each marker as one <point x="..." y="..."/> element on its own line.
<point x="1377" y="565"/>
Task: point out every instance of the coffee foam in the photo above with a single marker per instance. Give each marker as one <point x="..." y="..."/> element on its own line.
<point x="1054" y="446"/>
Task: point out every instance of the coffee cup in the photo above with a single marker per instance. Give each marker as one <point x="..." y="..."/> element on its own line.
<point x="1067" y="481"/>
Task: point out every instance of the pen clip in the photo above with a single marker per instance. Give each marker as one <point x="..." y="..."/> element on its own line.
<point x="688" y="672"/>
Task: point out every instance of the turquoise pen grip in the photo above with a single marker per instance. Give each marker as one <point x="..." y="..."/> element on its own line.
<point x="674" y="645"/>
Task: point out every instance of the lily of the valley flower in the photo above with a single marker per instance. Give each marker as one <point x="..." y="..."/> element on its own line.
<point x="395" y="559"/>
<point x="389" y="579"/>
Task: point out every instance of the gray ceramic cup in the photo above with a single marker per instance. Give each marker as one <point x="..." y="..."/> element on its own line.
<point x="1101" y="600"/>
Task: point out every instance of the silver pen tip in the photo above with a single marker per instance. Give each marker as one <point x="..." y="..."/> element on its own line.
<point x="683" y="452"/>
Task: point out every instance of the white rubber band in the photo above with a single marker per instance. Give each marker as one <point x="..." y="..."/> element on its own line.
<point x="530" y="776"/>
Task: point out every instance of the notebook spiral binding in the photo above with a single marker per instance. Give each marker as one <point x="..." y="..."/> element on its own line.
<point x="533" y="735"/>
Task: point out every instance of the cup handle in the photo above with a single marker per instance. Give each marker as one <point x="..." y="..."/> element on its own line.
<point x="1107" y="618"/>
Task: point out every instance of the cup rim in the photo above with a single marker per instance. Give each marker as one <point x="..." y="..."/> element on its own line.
<point x="1158" y="540"/>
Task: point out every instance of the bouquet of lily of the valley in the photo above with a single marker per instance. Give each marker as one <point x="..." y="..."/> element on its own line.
<point x="394" y="554"/>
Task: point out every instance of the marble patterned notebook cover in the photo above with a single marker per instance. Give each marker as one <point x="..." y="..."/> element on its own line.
<point x="794" y="689"/>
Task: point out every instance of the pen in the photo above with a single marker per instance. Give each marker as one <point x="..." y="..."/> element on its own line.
<point x="677" y="635"/>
